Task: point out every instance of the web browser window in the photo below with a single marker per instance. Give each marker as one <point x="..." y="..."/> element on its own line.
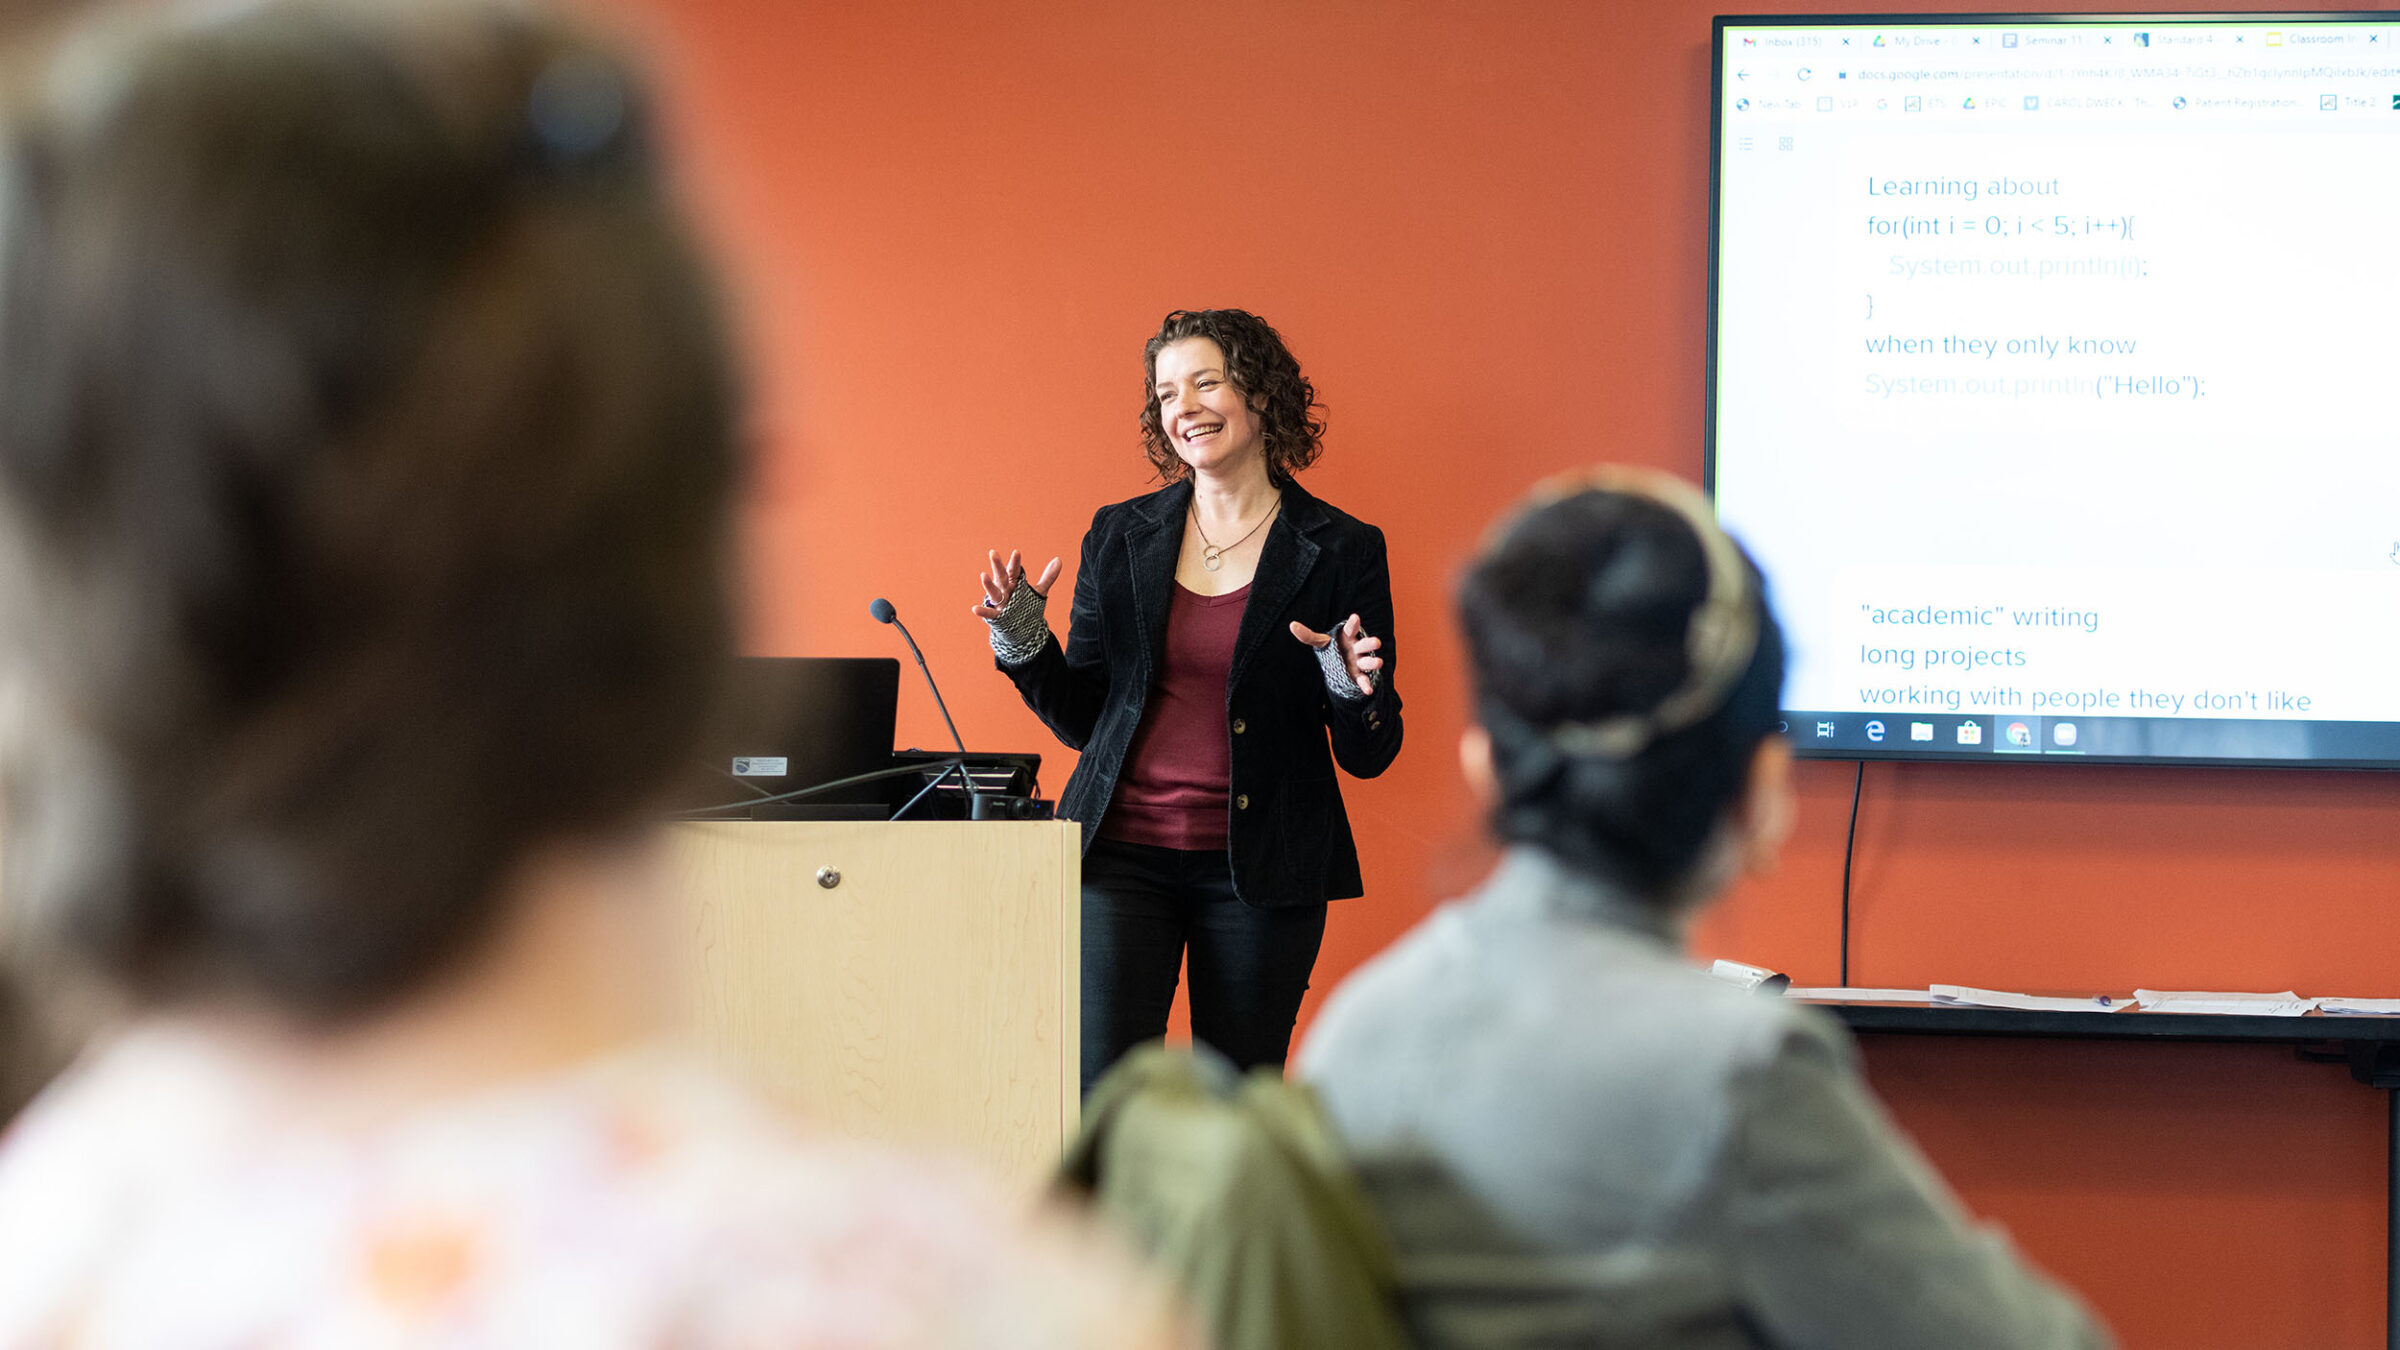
<point x="2055" y="385"/>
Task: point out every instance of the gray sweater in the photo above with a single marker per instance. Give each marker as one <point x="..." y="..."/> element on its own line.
<point x="1577" y="1139"/>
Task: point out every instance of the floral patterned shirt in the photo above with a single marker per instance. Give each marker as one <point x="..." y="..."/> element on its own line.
<point x="148" y="1200"/>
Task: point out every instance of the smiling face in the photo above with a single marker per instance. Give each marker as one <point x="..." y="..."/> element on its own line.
<point x="1208" y="421"/>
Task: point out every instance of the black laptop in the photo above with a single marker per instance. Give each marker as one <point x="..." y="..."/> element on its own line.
<point x="794" y="722"/>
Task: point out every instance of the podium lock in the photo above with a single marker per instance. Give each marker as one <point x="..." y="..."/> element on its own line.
<point x="829" y="877"/>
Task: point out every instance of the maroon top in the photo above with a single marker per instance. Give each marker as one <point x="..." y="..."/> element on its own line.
<point x="1171" y="792"/>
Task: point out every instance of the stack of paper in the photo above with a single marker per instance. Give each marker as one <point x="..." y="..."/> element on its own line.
<point x="2359" y="1007"/>
<point x="1960" y="996"/>
<point x="2285" y="1004"/>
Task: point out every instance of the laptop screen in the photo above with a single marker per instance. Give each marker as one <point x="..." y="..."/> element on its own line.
<point x="793" y="722"/>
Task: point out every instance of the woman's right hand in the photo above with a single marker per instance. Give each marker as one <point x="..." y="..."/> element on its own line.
<point x="1001" y="579"/>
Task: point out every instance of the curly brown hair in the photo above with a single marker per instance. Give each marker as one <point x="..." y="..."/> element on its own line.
<point x="1265" y="372"/>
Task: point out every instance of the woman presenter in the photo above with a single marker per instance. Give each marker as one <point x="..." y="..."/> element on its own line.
<point x="1229" y="644"/>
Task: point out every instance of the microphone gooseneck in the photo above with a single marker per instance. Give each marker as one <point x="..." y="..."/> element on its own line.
<point x="881" y="611"/>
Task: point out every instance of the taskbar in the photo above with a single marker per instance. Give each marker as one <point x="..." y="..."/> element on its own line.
<point x="1974" y="735"/>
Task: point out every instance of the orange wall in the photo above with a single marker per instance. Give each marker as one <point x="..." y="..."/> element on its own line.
<point x="1483" y="228"/>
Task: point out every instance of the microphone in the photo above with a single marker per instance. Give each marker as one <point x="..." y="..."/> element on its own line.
<point x="881" y="611"/>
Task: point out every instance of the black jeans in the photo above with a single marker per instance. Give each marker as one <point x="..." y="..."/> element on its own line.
<point x="1142" y="907"/>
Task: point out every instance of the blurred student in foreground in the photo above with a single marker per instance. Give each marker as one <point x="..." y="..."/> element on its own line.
<point x="366" y="443"/>
<point x="1573" y="1136"/>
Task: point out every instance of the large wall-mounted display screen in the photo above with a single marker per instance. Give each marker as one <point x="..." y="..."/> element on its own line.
<point x="2054" y="380"/>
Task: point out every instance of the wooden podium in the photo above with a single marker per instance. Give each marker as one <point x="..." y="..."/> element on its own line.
<point x="912" y="981"/>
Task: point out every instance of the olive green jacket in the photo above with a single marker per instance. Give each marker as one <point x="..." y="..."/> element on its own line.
<point x="1237" y="1190"/>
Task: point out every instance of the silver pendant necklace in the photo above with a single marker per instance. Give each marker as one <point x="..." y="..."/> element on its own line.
<point x="1212" y="557"/>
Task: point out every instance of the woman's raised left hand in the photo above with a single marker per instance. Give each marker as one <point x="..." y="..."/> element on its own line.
<point x="1358" y="649"/>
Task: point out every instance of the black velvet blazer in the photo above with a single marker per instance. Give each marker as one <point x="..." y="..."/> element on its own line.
<point x="1289" y="839"/>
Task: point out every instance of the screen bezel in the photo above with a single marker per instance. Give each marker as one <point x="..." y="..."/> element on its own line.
<point x="1708" y="471"/>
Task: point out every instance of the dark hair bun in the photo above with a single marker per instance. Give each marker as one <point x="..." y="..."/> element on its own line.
<point x="1579" y="613"/>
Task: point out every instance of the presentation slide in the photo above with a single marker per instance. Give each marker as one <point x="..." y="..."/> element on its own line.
<point x="2055" y="381"/>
